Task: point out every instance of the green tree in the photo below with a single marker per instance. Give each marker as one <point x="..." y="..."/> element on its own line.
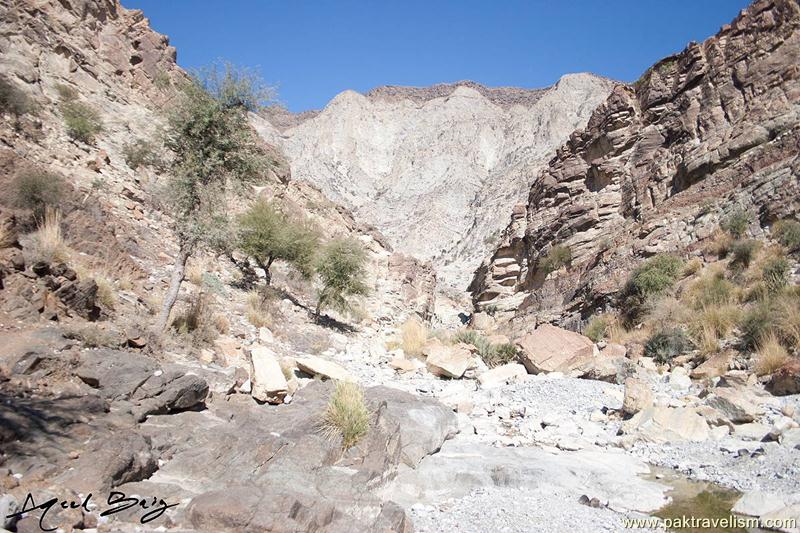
<point x="267" y="234"/>
<point x="216" y="152"/>
<point x="341" y="268"/>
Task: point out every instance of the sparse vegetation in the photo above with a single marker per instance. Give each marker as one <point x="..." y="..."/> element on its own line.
<point x="557" y="257"/>
<point x="341" y="267"/>
<point x="771" y="355"/>
<point x="140" y="153"/>
<point x="37" y="190"/>
<point x="47" y="242"/>
<point x="649" y="280"/>
<point x="267" y="234"/>
<point x="491" y="354"/>
<point x="106" y="294"/>
<point x="665" y="345"/>
<point x="742" y="253"/>
<point x="775" y="273"/>
<point x="82" y="121"/>
<point x="711" y="289"/>
<point x="346" y="416"/>
<point x="787" y="232"/>
<point x="413" y="336"/>
<point x="13" y="101"/>
<point x="93" y="336"/>
<point x="736" y="223"/>
<point x="692" y="267"/>
<point x="259" y="310"/>
<point x="197" y="320"/>
<point x="215" y="152"/>
<point x="502" y="354"/>
<point x="756" y="324"/>
<point x="598" y="327"/>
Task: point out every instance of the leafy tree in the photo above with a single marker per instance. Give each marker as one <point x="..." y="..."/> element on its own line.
<point x="267" y="234"/>
<point x="215" y="152"/>
<point x="341" y="268"/>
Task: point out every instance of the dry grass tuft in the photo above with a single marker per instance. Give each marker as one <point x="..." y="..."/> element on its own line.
<point x="413" y="336"/>
<point x="48" y="242"/>
<point x="105" y="292"/>
<point x="771" y="355"/>
<point x="258" y="311"/>
<point x="346" y="415"/>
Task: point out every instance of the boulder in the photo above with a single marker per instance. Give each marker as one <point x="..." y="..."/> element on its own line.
<point x="751" y="431"/>
<point x="714" y="366"/>
<point x="757" y="503"/>
<point x="268" y="383"/>
<point x="786" y="380"/>
<point x="316" y="366"/>
<point x="482" y="321"/>
<point x="552" y="349"/>
<point x="638" y="396"/>
<point x="735" y="404"/>
<point x="401" y="364"/>
<point x="667" y="424"/>
<point x="501" y="375"/>
<point x="448" y="361"/>
<point x="614" y="350"/>
<point x="788" y="515"/>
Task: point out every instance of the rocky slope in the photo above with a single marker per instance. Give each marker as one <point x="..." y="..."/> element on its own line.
<point x="701" y="133"/>
<point x="436" y="168"/>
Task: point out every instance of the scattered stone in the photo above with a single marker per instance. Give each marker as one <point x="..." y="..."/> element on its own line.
<point x="266" y="376"/>
<point x="501" y="375"/>
<point x="757" y="503"/>
<point x="316" y="366"/>
<point x="638" y="396"/>
<point x="550" y="348"/>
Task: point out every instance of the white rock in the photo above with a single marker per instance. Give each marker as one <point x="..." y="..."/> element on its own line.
<point x="316" y="366"/>
<point x="501" y="375"/>
<point x="757" y="503"/>
<point x="266" y="376"/>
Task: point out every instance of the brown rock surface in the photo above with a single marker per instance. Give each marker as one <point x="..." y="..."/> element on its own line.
<point x="550" y="349"/>
<point x="717" y="121"/>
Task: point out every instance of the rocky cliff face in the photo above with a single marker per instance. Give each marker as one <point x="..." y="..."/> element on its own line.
<point x="710" y="129"/>
<point x="435" y="169"/>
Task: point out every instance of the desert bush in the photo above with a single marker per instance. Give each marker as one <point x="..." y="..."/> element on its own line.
<point x="664" y="345"/>
<point x="770" y="355"/>
<point x="598" y="327"/>
<point x="775" y="273"/>
<point x="756" y="324"/>
<point x="140" y="153"/>
<point x="47" y="242"/>
<point x="93" y="336"/>
<point x="719" y="244"/>
<point x="787" y="232"/>
<point x="106" y="294"/>
<point x="82" y="121"/>
<point x="346" y="416"/>
<point x="788" y="318"/>
<point x="341" y="267"/>
<point x="259" y="310"/>
<point x="502" y="354"/>
<point x="736" y="223"/>
<point x="558" y="256"/>
<point x="66" y="93"/>
<point x="692" y="267"/>
<point x="197" y="320"/>
<point x="413" y="336"/>
<point x="467" y="336"/>
<point x="711" y="289"/>
<point x="651" y="279"/>
<point x="267" y="234"/>
<point x="12" y="100"/>
<point x="721" y="319"/>
<point x="742" y="253"/>
<point x="36" y="190"/>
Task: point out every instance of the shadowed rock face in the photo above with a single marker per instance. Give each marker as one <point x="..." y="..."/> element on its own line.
<point x="701" y="133"/>
<point x="435" y="169"/>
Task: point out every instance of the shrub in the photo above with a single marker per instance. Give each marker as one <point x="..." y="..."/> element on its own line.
<point x="558" y="256"/>
<point x="664" y="345"/>
<point x="736" y="223"/>
<point x="12" y="100"/>
<point x="788" y="318"/>
<point x="787" y="232"/>
<point x="82" y="121"/>
<point x="467" y="336"/>
<point x="502" y="354"/>
<point x="721" y="319"/>
<point x="197" y="320"/>
<point x="48" y="242"/>
<point x="652" y="278"/>
<point x="712" y="289"/>
<point x="37" y="190"/>
<point x="93" y="336"/>
<point x="692" y="267"/>
<point x="259" y="312"/>
<point x="267" y="234"/>
<point x="775" y="273"/>
<point x="140" y="153"/>
<point x="742" y="253"/>
<point x="341" y="268"/>
<point x="66" y="93"/>
<point x="105" y="292"/>
<point x="756" y="325"/>
<point x="346" y="415"/>
<point x="413" y="336"/>
<point x="598" y="327"/>
<point x="719" y="244"/>
<point x="771" y="355"/>
<point x="668" y="312"/>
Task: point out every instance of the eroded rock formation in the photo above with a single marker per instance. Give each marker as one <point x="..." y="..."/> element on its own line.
<point x="711" y="129"/>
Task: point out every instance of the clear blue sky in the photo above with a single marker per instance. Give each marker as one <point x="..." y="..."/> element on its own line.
<point x="313" y="50"/>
